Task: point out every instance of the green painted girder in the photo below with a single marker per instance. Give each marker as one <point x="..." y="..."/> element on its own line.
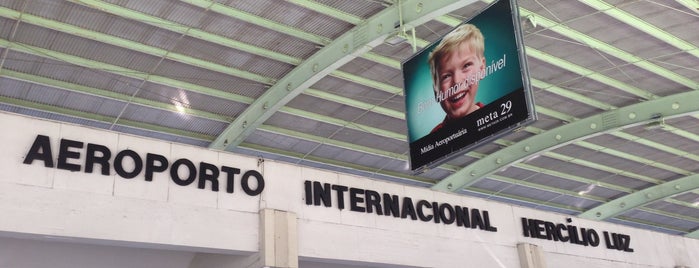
<point x="681" y="132"/>
<point x="543" y="187"/>
<point x="670" y="214"/>
<point x="188" y="86"/>
<point x="341" y="144"/>
<point x="328" y="11"/>
<point x="169" y="107"/>
<point x="584" y="196"/>
<point x="105" y="119"/>
<point x="601" y="167"/>
<point x="692" y="5"/>
<point x="350" y="45"/>
<point x="585" y="72"/>
<point x="253" y="19"/>
<point x="368" y="82"/>
<point x="520" y="199"/>
<point x="96" y="65"/>
<point x="330" y="162"/>
<point x="641" y="198"/>
<point x="225" y="10"/>
<point x="653" y="225"/>
<point x="693" y="234"/>
<point x="644" y="26"/>
<point x="354" y="103"/>
<point x="134" y="46"/>
<point x="570" y="94"/>
<point x="538" y="203"/>
<point x="611" y="152"/>
<point x="637" y="159"/>
<point x="674" y="105"/>
<point x="595" y="44"/>
<point x="193" y="135"/>
<point x="156" y="105"/>
<point x="161" y="106"/>
<point x="609" y="49"/>
<point x="185" y="30"/>
<point x="343" y="123"/>
<point x="197" y="33"/>
<point x="570" y="177"/>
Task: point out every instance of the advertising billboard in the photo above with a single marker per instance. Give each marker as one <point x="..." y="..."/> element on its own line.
<point x="467" y="88"/>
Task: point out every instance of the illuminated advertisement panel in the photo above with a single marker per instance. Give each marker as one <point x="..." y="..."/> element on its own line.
<point x="467" y="88"/>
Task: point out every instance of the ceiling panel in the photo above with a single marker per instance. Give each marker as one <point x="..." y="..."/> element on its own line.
<point x="184" y="71"/>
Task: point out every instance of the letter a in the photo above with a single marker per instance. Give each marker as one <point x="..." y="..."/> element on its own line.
<point x="41" y="150"/>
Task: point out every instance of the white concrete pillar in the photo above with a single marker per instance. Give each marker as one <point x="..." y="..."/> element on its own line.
<point x="278" y="239"/>
<point x="530" y="256"/>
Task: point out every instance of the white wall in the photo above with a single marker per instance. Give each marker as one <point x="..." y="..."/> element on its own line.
<point x="37" y="201"/>
<point x="27" y="253"/>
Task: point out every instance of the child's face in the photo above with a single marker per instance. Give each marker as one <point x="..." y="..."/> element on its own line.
<point x="458" y="70"/>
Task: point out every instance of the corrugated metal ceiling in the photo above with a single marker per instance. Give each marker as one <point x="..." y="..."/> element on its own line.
<point x="184" y="71"/>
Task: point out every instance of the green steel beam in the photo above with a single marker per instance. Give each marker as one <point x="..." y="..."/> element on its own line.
<point x="601" y="167"/>
<point x="654" y="225"/>
<point x="572" y="177"/>
<point x="343" y="123"/>
<point x="257" y="20"/>
<point x="555" y="114"/>
<point x="693" y="234"/>
<point x="669" y="214"/>
<point x="584" y="72"/>
<point x="609" y="49"/>
<point x="368" y="82"/>
<point x="570" y="94"/>
<point x="570" y="208"/>
<point x="546" y="188"/>
<point x="135" y="46"/>
<point x="159" y="52"/>
<point x="214" y="67"/>
<point x="604" y="47"/>
<point x="105" y="119"/>
<point x="692" y="5"/>
<point x="673" y="105"/>
<point x="196" y="136"/>
<point x="393" y="63"/>
<point x="350" y="45"/>
<point x="600" y="105"/>
<point x="167" y="107"/>
<point x="682" y="133"/>
<point x="328" y="11"/>
<point x="260" y="21"/>
<point x="641" y="198"/>
<point x="335" y="143"/>
<point x="113" y="95"/>
<point x="206" y="36"/>
<point x="189" y="87"/>
<point x="521" y="199"/>
<point x="386" y="61"/>
<point x="330" y="162"/>
<point x="354" y="103"/>
<point x="185" y="30"/>
<point x="635" y="158"/>
<point x="341" y="144"/>
<point x="96" y="65"/>
<point x="642" y="25"/>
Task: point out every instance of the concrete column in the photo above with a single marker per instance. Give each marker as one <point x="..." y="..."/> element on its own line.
<point x="530" y="256"/>
<point x="278" y="239"/>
